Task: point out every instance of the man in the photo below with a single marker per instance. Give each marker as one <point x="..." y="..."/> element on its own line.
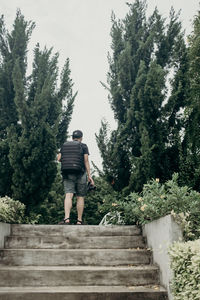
<point x="75" y="182"/>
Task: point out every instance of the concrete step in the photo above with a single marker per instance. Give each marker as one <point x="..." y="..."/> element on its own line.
<point x="74" y="242"/>
<point x="74" y="257"/>
<point x="84" y="293"/>
<point x="73" y="230"/>
<point x="75" y="276"/>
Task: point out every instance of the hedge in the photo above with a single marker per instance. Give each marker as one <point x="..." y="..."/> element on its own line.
<point x="11" y="211"/>
<point x="185" y="264"/>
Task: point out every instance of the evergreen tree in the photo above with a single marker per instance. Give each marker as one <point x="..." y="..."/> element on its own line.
<point x="39" y="125"/>
<point x="33" y="153"/>
<point x="13" y="46"/>
<point x="190" y="158"/>
<point x="150" y="129"/>
<point x="145" y="52"/>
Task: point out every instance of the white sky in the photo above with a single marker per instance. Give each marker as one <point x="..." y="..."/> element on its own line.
<point x="80" y="30"/>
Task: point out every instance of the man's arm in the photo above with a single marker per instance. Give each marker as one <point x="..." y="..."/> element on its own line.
<point x="87" y="166"/>
<point x="59" y="157"/>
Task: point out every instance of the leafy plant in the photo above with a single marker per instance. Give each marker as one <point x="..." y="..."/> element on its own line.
<point x="98" y="202"/>
<point x="185" y="263"/>
<point x="11" y="211"/>
<point x="158" y="200"/>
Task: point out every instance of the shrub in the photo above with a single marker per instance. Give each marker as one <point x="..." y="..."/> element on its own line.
<point x="158" y="200"/>
<point x="51" y="210"/>
<point x="185" y="263"/>
<point x="98" y="202"/>
<point x="11" y="211"/>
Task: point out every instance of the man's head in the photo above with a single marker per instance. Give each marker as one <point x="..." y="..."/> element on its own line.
<point x="77" y="135"/>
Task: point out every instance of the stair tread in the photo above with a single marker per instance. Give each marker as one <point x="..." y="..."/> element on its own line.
<point x="74" y="241"/>
<point x="75" y="250"/>
<point x="72" y="235"/>
<point x="86" y="230"/>
<point x="85" y="226"/>
<point x="82" y="289"/>
<point x="78" y="268"/>
<point x="91" y="253"/>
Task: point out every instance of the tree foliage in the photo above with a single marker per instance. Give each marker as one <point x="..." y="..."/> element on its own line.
<point x="13" y="47"/>
<point x="145" y="54"/>
<point x="41" y="111"/>
<point x="190" y="156"/>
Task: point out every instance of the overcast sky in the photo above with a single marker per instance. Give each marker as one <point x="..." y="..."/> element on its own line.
<point x="80" y="30"/>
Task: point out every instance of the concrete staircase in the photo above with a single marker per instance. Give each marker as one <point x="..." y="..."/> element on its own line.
<point x="75" y="262"/>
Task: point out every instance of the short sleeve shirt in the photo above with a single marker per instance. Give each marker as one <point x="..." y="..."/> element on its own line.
<point x="85" y="148"/>
<point x="85" y="151"/>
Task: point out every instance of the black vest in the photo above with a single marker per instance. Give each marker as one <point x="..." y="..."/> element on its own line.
<point x="72" y="157"/>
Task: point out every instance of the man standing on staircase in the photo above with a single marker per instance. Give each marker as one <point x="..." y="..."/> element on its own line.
<point x="75" y="171"/>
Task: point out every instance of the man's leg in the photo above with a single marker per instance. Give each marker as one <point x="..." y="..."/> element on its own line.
<point x="81" y="190"/>
<point x="80" y="208"/>
<point x="68" y="205"/>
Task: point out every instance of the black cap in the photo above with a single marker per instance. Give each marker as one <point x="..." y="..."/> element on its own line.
<point x="77" y="134"/>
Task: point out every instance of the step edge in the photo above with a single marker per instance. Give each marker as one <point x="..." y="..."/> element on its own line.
<point x="140" y="267"/>
<point x="132" y="250"/>
<point x="156" y="288"/>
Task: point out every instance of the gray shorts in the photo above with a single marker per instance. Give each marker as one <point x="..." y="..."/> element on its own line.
<point x="76" y="184"/>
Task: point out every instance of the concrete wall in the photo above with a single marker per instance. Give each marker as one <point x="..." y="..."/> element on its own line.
<point x="160" y="234"/>
<point x="4" y="230"/>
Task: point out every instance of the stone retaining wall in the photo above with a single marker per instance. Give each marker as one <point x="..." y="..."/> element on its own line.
<point x="160" y="234"/>
<point x="4" y="230"/>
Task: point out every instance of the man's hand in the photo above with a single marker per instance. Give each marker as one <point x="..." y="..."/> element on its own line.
<point x="87" y="166"/>
<point x="90" y="180"/>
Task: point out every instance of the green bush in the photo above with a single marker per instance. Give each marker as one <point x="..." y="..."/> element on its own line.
<point x="14" y="212"/>
<point x="158" y="200"/>
<point x="185" y="263"/>
<point x="11" y="211"/>
<point x="51" y="210"/>
<point x="98" y="202"/>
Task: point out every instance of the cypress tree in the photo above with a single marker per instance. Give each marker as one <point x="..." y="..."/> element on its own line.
<point x="150" y="128"/>
<point x="33" y="153"/>
<point x="190" y="159"/>
<point x="39" y="122"/>
<point x="144" y="54"/>
<point x="13" y="46"/>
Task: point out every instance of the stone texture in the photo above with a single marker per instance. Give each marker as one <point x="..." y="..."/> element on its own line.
<point x="73" y="230"/>
<point x="160" y="234"/>
<point x="84" y="293"/>
<point x="61" y="276"/>
<point x="74" y="242"/>
<point x="77" y="263"/>
<point x="4" y="231"/>
<point x="76" y="257"/>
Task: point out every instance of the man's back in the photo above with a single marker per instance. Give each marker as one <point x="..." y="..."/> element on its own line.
<point x="72" y="156"/>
